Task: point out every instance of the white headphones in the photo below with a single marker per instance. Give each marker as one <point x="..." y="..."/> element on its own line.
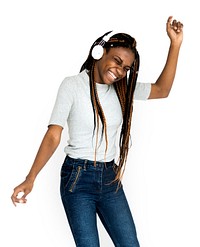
<point x="97" y="51"/>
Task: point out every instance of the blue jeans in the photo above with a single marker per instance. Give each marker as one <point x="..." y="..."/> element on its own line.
<point x="87" y="191"/>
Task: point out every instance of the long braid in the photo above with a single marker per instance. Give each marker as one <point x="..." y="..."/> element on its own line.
<point x="127" y="117"/>
<point x="125" y="92"/>
<point x="98" y="112"/>
<point x="121" y="89"/>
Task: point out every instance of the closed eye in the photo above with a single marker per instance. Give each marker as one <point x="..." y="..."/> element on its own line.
<point x="127" y="69"/>
<point x="118" y="61"/>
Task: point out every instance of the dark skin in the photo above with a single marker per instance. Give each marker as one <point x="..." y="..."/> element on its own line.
<point x="110" y="68"/>
<point x="117" y="61"/>
<point x="114" y="65"/>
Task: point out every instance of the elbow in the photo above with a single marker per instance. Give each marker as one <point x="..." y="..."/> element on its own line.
<point x="165" y="94"/>
<point x="160" y="92"/>
<point x="54" y="140"/>
<point x="54" y="135"/>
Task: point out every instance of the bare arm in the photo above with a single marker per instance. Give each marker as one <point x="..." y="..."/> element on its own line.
<point x="48" y="146"/>
<point x="162" y="87"/>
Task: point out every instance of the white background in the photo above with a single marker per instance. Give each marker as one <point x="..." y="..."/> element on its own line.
<point x="43" y="41"/>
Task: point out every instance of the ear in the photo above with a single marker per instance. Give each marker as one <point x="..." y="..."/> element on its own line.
<point x="104" y="51"/>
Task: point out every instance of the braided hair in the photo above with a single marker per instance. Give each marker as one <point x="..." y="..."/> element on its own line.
<point x="125" y="91"/>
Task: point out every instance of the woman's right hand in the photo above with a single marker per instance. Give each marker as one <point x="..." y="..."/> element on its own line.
<point x="25" y="188"/>
<point x="49" y="144"/>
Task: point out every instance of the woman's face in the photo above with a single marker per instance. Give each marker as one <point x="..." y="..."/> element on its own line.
<point x="114" y="65"/>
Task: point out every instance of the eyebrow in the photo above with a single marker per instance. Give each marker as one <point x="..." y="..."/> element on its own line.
<point x="129" y="66"/>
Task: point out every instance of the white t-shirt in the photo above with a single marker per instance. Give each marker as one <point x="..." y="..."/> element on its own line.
<point x="73" y="106"/>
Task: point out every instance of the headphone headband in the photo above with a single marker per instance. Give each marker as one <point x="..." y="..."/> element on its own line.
<point x="108" y="36"/>
<point x="97" y="51"/>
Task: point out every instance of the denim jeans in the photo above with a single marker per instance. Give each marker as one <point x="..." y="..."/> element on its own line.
<point x="87" y="191"/>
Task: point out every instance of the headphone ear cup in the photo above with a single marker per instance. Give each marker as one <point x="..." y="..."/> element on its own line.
<point x="97" y="52"/>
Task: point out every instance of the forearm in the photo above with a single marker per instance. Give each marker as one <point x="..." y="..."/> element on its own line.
<point x="46" y="150"/>
<point x="161" y="88"/>
<point x="166" y="78"/>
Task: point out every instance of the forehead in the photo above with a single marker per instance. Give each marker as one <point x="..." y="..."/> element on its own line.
<point x="124" y="53"/>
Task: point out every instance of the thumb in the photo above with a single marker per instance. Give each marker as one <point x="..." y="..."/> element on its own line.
<point x="169" y="21"/>
<point x="22" y="197"/>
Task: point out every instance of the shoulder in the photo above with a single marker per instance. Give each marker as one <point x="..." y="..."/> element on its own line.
<point x="75" y="80"/>
<point x="71" y="85"/>
<point x="142" y="91"/>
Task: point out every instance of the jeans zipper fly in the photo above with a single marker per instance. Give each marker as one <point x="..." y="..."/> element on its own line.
<point x="76" y="178"/>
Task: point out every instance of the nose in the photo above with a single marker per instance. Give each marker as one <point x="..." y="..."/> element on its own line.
<point x="121" y="72"/>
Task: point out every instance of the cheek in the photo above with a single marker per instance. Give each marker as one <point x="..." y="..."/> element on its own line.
<point x="100" y="65"/>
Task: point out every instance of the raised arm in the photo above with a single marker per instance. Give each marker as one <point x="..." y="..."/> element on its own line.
<point x="49" y="144"/>
<point x="162" y="86"/>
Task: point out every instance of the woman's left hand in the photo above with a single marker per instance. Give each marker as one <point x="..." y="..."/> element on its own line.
<point x="175" y="30"/>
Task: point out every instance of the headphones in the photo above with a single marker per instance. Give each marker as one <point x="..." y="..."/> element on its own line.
<point x="97" y="51"/>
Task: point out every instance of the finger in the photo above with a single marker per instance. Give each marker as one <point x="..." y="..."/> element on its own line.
<point x="22" y="200"/>
<point x="174" y="22"/>
<point x="19" y="200"/>
<point x="14" y="197"/>
<point x="169" y="19"/>
<point x="13" y="200"/>
<point x="179" y="26"/>
<point x="18" y="196"/>
<point x="176" y="26"/>
<point x="16" y="200"/>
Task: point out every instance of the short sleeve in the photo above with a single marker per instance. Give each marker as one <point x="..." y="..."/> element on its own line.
<point x="63" y="103"/>
<point x="142" y="91"/>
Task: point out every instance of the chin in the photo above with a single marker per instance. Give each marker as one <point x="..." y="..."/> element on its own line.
<point x="109" y="82"/>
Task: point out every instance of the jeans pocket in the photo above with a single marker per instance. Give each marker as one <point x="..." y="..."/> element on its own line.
<point x="66" y="173"/>
<point x="69" y="177"/>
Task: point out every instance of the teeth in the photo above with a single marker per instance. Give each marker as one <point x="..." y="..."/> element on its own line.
<point x="112" y="75"/>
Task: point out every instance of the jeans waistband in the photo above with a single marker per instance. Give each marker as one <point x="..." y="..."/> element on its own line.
<point x="90" y="162"/>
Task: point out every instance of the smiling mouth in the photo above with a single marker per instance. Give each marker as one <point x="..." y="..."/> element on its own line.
<point x="112" y="75"/>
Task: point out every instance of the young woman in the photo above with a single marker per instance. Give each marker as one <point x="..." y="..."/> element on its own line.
<point x="96" y="103"/>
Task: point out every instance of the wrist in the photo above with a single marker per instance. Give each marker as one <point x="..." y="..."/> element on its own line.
<point x="175" y="44"/>
<point x="30" y="178"/>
